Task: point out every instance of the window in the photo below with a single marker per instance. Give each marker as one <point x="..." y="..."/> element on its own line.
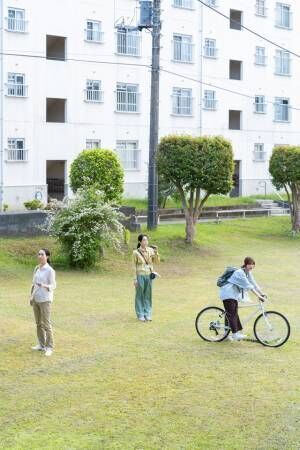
<point x="128" y="42"/>
<point x="93" y="92"/>
<point x="235" y="70"/>
<point x="212" y="3"/>
<point x="282" y="63"/>
<point x="235" y="120"/>
<point x="16" y="150"/>
<point x="182" y="102"/>
<point x="16" y="20"/>
<point x="259" y="154"/>
<point x="15" y="86"/>
<point x="260" y="106"/>
<point x="235" y="19"/>
<point x="182" y="48"/>
<point x="127" y="98"/>
<point x="283" y="15"/>
<point x="260" y="8"/>
<point x="93" y="31"/>
<point x="187" y="4"/>
<point x="92" y="143"/>
<point x="56" y="110"/>
<point x="56" y="48"/>
<point x="210" y="50"/>
<point x="209" y="101"/>
<point x="281" y="109"/>
<point x="260" y="56"/>
<point x="129" y="154"/>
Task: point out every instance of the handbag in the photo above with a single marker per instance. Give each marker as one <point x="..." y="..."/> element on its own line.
<point x="152" y="274"/>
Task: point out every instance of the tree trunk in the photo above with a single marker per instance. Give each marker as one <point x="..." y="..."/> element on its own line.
<point x="190" y="228"/>
<point x="296" y="208"/>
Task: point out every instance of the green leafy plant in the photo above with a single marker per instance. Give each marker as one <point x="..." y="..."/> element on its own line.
<point x="5" y="207"/>
<point x="198" y="167"/>
<point x="285" y="169"/>
<point x="99" y="168"/>
<point x="84" y="226"/>
<point x="33" y="205"/>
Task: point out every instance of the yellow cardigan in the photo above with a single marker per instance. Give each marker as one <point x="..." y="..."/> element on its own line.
<point x="139" y="263"/>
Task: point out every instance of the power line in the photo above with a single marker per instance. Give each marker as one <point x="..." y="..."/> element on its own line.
<point x="231" y="91"/>
<point x="249" y="29"/>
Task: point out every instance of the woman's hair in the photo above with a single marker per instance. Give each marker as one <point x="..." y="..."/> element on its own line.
<point x="248" y="260"/>
<point x="47" y="253"/>
<point x="140" y="238"/>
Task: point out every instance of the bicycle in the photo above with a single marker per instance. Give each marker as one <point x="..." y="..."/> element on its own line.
<point x="271" y="328"/>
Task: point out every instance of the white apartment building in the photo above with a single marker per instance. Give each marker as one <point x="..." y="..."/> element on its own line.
<point x="71" y="80"/>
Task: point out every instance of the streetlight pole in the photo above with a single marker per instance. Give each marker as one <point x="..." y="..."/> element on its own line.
<point x="154" y="118"/>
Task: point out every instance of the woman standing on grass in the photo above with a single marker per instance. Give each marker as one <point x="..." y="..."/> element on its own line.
<point x="143" y="259"/>
<point x="41" y="298"/>
<point x="234" y="291"/>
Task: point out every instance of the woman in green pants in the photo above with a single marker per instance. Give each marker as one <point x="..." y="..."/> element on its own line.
<point x="143" y="259"/>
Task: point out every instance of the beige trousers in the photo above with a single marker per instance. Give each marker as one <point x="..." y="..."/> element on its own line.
<point x="42" y="313"/>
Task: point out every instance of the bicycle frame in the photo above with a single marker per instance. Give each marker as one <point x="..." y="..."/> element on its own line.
<point x="260" y="309"/>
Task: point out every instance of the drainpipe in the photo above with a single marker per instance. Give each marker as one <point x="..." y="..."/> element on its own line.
<point x="201" y="69"/>
<point x="1" y="108"/>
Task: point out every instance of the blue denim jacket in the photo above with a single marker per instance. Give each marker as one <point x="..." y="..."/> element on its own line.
<point x="238" y="284"/>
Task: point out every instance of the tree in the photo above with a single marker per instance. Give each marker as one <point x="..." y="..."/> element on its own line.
<point x="99" y="168"/>
<point x="84" y="225"/>
<point x="198" y="167"/>
<point x="165" y="190"/>
<point x="285" y="170"/>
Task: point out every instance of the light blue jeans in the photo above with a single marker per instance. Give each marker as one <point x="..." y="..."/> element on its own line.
<point x="143" y="297"/>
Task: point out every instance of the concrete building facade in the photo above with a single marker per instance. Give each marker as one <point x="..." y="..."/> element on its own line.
<point x="76" y="75"/>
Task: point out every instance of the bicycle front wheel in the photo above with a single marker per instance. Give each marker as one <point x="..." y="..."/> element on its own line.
<point x="211" y="324"/>
<point x="271" y="329"/>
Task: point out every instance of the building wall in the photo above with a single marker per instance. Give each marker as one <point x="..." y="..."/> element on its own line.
<point x="26" y="117"/>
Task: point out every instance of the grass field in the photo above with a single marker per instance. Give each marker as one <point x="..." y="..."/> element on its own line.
<point x="114" y="383"/>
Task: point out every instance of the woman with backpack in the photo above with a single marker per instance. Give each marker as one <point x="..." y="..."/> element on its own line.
<point x="234" y="291"/>
<point x="41" y="297"/>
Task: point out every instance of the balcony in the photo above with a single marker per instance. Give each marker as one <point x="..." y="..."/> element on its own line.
<point x="16" y="155"/>
<point x="16" y="90"/>
<point x="93" y="96"/>
<point x="16" y="25"/>
<point x="94" y="36"/>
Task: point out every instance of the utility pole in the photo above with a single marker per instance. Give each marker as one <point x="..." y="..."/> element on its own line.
<point x="154" y="118"/>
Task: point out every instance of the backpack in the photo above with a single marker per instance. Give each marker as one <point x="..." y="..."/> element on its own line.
<point x="223" y="279"/>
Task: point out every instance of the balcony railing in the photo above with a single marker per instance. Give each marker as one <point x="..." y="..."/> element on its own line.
<point x="183" y="52"/>
<point x="16" y="25"/>
<point x="130" y="158"/>
<point x="260" y="10"/>
<point x="128" y="102"/>
<point x="260" y="60"/>
<point x="16" y="90"/>
<point x="210" y="104"/>
<point x="17" y="154"/>
<point x="185" y="4"/>
<point x="94" y="36"/>
<point x="260" y="108"/>
<point x="94" y="95"/>
<point x="282" y="66"/>
<point x="128" y="43"/>
<point x="210" y="52"/>
<point x="259" y="156"/>
<point x="182" y="106"/>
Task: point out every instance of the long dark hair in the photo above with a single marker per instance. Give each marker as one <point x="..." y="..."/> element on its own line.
<point x="248" y="260"/>
<point x="47" y="253"/>
<point x="140" y="238"/>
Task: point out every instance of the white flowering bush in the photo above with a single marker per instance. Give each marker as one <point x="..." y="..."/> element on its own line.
<point x="85" y="225"/>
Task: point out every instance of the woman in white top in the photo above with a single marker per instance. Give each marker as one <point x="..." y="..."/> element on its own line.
<point x="43" y="285"/>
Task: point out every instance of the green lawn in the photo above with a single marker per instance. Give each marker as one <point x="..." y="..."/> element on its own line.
<point x="114" y="383"/>
<point x="214" y="200"/>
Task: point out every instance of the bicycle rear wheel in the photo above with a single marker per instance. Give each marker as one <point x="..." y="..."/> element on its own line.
<point x="271" y="329"/>
<point x="211" y="324"/>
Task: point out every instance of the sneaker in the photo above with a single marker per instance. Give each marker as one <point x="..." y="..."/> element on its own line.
<point x="48" y="352"/>
<point x="239" y="336"/>
<point x="142" y="319"/>
<point x="38" y="347"/>
<point x="148" y="319"/>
